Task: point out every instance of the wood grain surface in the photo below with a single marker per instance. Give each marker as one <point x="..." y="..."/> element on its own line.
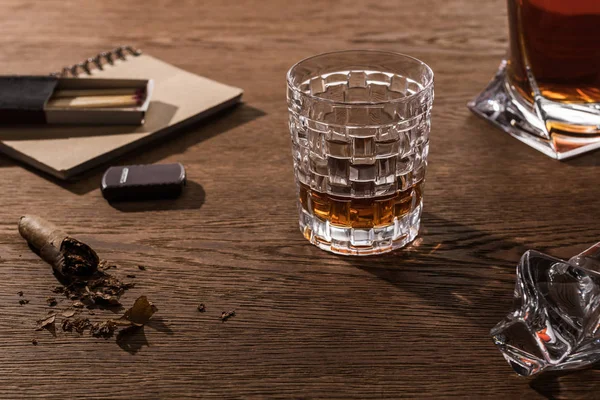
<point x="308" y="324"/>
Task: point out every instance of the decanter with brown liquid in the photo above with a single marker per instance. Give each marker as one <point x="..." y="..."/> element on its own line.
<point x="559" y="42"/>
<point x="547" y="90"/>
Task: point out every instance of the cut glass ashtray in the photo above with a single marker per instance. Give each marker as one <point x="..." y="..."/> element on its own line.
<point x="555" y="320"/>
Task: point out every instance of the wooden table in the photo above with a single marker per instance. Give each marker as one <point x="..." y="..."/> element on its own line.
<point x="414" y="323"/>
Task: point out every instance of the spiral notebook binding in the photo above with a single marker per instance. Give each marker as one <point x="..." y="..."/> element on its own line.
<point x="99" y="61"/>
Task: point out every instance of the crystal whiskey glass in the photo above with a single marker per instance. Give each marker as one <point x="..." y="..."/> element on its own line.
<point x="359" y="123"/>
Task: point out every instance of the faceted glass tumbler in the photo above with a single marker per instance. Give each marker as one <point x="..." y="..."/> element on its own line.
<point x="359" y="123"/>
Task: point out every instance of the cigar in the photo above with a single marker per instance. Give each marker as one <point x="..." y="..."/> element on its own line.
<point x="68" y="256"/>
<point x="95" y="102"/>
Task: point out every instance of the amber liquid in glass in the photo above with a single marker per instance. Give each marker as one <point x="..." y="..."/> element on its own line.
<point x="365" y="213"/>
<point x="560" y="42"/>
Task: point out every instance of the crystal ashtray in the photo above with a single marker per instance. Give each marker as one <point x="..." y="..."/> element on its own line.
<point x="555" y="320"/>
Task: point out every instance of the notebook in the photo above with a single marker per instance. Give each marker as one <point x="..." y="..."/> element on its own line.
<point x="178" y="99"/>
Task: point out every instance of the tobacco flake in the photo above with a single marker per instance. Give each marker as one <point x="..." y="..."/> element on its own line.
<point x="78" y="324"/>
<point x="103" y="329"/>
<point x="104" y="265"/>
<point x="225" y="315"/>
<point x="47" y="322"/>
<point x="139" y="314"/>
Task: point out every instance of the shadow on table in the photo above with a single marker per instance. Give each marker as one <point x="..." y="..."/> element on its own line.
<point x="568" y="384"/>
<point x="548" y="384"/>
<point x="155" y="151"/>
<point x="586" y="160"/>
<point x="192" y="197"/>
<point x="133" y="339"/>
<point x="454" y="267"/>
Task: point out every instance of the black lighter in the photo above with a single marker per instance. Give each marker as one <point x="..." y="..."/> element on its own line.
<point x="142" y="182"/>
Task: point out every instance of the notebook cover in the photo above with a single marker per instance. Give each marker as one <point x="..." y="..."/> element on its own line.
<point x="179" y="98"/>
